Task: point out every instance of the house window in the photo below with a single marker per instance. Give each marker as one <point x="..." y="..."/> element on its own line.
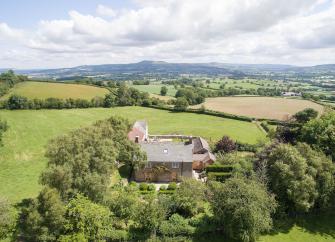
<point x="175" y="164"/>
<point x="148" y="165"/>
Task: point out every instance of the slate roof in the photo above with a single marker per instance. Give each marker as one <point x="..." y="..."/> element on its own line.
<point x="168" y="151"/>
<point x="199" y="144"/>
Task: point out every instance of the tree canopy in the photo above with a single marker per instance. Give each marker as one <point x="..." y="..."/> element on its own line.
<point x="83" y="160"/>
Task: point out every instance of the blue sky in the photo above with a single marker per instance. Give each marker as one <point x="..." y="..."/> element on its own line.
<point x="65" y="33"/>
<point x="27" y="13"/>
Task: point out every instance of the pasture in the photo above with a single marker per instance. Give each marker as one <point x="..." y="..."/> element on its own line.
<point x="156" y="89"/>
<point x="44" y="90"/>
<point x="22" y="156"/>
<point x="260" y="107"/>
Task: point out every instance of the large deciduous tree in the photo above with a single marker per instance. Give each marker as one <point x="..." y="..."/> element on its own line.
<point x="83" y="160"/>
<point x="300" y="177"/>
<point x="7" y="218"/>
<point x="320" y="133"/>
<point x="242" y="207"/>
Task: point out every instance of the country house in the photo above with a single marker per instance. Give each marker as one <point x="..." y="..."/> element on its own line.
<point x="167" y="159"/>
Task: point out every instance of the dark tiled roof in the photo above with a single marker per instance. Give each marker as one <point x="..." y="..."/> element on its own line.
<point x="199" y="144"/>
<point x="168" y="151"/>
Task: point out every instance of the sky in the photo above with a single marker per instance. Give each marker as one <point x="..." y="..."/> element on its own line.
<point x="67" y="33"/>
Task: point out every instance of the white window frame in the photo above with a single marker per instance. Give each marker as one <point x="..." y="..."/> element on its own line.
<point x="175" y="165"/>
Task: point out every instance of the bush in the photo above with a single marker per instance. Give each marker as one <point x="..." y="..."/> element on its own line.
<point x="133" y="184"/>
<point x="176" y="225"/>
<point x="246" y="147"/>
<point x="143" y="186"/>
<point x="219" y="168"/>
<point x="172" y="186"/>
<point x="162" y="188"/>
<point x="219" y="176"/>
<point x="151" y="187"/>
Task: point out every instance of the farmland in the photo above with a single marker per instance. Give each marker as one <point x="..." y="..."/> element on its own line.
<point x="22" y="158"/>
<point x="260" y="107"/>
<point x="155" y="89"/>
<point x="43" y="90"/>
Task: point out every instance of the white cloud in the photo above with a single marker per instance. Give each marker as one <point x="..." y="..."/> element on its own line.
<point x="253" y="31"/>
<point x="106" y="11"/>
<point x="9" y="33"/>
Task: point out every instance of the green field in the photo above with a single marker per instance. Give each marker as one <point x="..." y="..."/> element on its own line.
<point x="156" y="89"/>
<point x="43" y="90"/>
<point x="22" y="157"/>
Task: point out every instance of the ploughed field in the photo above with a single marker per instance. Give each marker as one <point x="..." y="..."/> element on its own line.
<point x="260" y="107"/>
<point x="44" y="90"/>
<point x="22" y="156"/>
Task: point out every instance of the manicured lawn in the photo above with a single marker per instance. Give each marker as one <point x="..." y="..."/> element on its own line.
<point x="22" y="157"/>
<point x="43" y="90"/>
<point x="156" y="89"/>
<point x="313" y="228"/>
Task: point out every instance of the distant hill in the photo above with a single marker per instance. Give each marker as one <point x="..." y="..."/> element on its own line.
<point x="161" y="68"/>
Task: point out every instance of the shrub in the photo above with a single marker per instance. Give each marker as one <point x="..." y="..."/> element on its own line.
<point x="172" y="186"/>
<point x="219" y="168"/>
<point x="162" y="188"/>
<point x="219" y="176"/>
<point x="225" y="145"/>
<point x="151" y="187"/>
<point x="176" y="225"/>
<point x="133" y="184"/>
<point x="143" y="186"/>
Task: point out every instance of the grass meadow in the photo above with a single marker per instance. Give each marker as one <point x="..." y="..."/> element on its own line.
<point x="22" y="156"/>
<point x="44" y="90"/>
<point x="156" y="89"/>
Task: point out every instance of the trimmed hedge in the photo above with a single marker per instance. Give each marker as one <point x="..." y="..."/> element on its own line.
<point x="246" y="147"/>
<point x="219" y="168"/>
<point x="219" y="176"/>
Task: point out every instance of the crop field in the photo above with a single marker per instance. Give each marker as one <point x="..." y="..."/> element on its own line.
<point x="156" y="89"/>
<point x="260" y="107"/>
<point x="22" y="157"/>
<point x="43" y="90"/>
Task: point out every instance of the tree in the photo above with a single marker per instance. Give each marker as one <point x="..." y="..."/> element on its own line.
<point x="42" y="219"/>
<point x="150" y="214"/>
<point x="322" y="169"/>
<point x="305" y="115"/>
<point x="320" y="133"/>
<point x="225" y="145"/>
<point x="86" y="218"/>
<point x="7" y="218"/>
<point x="181" y="104"/>
<point x="189" y="197"/>
<point x="164" y="90"/>
<point x="123" y="204"/>
<point x="83" y="160"/>
<point x="300" y="177"/>
<point x="17" y="102"/>
<point x="242" y="207"/>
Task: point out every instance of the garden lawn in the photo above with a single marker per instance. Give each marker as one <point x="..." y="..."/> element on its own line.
<point x="44" y="90"/>
<point x="22" y="157"/>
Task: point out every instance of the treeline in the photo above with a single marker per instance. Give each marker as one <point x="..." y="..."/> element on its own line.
<point x="122" y="96"/>
<point x="8" y="80"/>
